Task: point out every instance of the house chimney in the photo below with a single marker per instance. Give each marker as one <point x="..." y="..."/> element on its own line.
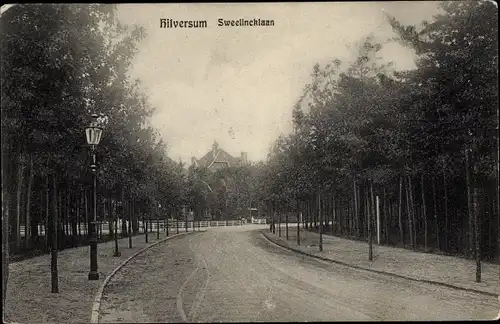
<point x="215" y="147"/>
<point x="244" y="157"/>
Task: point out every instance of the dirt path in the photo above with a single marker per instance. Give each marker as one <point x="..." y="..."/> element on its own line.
<point x="239" y="276"/>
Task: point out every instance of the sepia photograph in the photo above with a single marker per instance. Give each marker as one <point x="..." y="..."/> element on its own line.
<point x="250" y="162"/>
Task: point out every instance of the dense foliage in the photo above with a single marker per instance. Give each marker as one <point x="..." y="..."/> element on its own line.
<point x="360" y="128"/>
<point x="60" y="64"/>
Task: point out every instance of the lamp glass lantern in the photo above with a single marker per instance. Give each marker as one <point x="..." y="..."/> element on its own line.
<point x="93" y="132"/>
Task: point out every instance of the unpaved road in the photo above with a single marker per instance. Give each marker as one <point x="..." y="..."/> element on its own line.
<point x="235" y="275"/>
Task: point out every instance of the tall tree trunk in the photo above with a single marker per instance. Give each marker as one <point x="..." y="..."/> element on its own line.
<point x="64" y="213"/>
<point x="298" y="221"/>
<point x="117" y="253"/>
<point x="27" y="224"/>
<point x="20" y="181"/>
<point x="304" y="213"/>
<point x="412" y="210"/>
<point x="424" y="213"/>
<point x="111" y="228"/>
<point x="145" y="225"/>
<point x="5" y="235"/>
<point x="47" y="213"/>
<point x="158" y="222"/>
<point x="63" y="216"/>
<point x="310" y="204"/>
<point x="279" y="222"/>
<point x="367" y="211"/>
<point x="130" y="220"/>
<point x="326" y="212"/>
<point x="408" y="211"/>
<point x="307" y="214"/>
<point x="123" y="213"/>
<point x="67" y="213"/>
<point x="349" y="223"/>
<point x="60" y="218"/>
<point x="371" y="209"/>
<point x="312" y="211"/>
<point x="286" y="224"/>
<point x="400" y="214"/>
<point x="348" y="218"/>
<point x="110" y="217"/>
<point x="470" y="209"/>
<point x="35" y="221"/>
<point x="392" y="215"/>
<point x="273" y="214"/>
<point x="53" y="259"/>
<point x="490" y="210"/>
<point x="356" y="214"/>
<point x="478" y="211"/>
<point x="310" y="217"/>
<point x="165" y="219"/>
<point x="73" y="215"/>
<point x="78" y="215"/>
<point x="445" y="185"/>
<point x="41" y="220"/>
<point x="320" y="223"/>
<point x="344" y="220"/>
<point x="386" y="218"/>
<point x="135" y="220"/>
<point x="339" y="216"/>
<point x="436" y="220"/>
<point x="348" y="214"/>
<point x="334" y="214"/>
<point x="177" y="222"/>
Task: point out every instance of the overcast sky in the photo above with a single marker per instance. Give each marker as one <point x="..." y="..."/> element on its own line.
<point x="238" y="85"/>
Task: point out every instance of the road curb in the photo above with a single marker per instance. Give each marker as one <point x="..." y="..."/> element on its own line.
<point x="97" y="299"/>
<point x="382" y="272"/>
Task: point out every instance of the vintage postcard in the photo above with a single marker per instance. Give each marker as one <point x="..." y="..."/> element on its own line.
<point x="250" y="162"/>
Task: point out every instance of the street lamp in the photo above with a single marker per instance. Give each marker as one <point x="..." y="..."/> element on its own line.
<point x="117" y="253"/>
<point x="93" y="133"/>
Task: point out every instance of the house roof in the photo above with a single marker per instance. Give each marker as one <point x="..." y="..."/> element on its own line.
<point x="221" y="156"/>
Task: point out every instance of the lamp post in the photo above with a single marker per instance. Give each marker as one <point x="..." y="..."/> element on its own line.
<point x="93" y="133"/>
<point x="116" y="253"/>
